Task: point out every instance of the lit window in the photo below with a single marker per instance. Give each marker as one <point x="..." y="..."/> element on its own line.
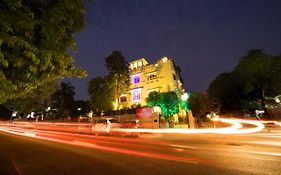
<point x="136" y="79"/>
<point x="136" y="95"/>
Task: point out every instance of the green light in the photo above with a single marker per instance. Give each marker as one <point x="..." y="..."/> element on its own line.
<point x="168" y="102"/>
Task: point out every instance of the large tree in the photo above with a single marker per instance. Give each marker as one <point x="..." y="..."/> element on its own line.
<point x="118" y="69"/>
<point x="254" y="74"/>
<point x="35" y="40"/>
<point x="64" y="98"/>
<point x="101" y="92"/>
<point x="256" y="77"/>
<point x="224" y="91"/>
<point x="37" y="100"/>
<point x="199" y="104"/>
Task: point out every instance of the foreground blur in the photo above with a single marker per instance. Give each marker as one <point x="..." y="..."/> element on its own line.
<point x="69" y="148"/>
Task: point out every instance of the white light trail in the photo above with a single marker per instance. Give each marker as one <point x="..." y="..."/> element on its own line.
<point x="235" y="127"/>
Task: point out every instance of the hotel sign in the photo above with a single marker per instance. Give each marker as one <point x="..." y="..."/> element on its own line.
<point x="144" y="112"/>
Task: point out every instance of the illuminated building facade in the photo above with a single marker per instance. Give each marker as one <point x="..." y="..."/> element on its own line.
<point x="163" y="76"/>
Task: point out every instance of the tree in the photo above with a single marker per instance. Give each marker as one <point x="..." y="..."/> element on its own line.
<point x="64" y="98"/>
<point x="118" y="69"/>
<point x="80" y="108"/>
<point x="101" y="92"/>
<point x="255" y="77"/>
<point x="153" y="99"/>
<point x="199" y="104"/>
<point x="37" y="100"/>
<point x="224" y="91"/>
<point x="169" y="104"/>
<point x="35" y="39"/>
<point x="254" y="73"/>
<point x="167" y="101"/>
<point x="275" y="75"/>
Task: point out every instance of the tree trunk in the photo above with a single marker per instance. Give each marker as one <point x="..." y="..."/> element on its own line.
<point x="262" y="98"/>
<point x="117" y="93"/>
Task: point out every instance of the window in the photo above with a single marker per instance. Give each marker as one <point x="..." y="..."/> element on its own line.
<point x="123" y="99"/>
<point x="136" y="95"/>
<point x="151" y="77"/>
<point x="136" y="79"/>
<point x="174" y="76"/>
<point x="113" y="120"/>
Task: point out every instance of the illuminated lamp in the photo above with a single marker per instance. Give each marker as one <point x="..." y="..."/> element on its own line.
<point x="157" y="109"/>
<point x="184" y="97"/>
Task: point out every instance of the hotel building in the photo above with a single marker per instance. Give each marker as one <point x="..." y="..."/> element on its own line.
<point x="163" y="76"/>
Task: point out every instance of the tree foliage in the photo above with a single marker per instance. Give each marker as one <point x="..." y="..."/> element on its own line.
<point x="118" y="69"/>
<point x="35" y="38"/>
<point x="167" y="101"/>
<point x="153" y="99"/>
<point x="101" y="92"/>
<point x="199" y="104"/>
<point x="256" y="77"/>
<point x="38" y="100"/>
<point x="64" y="98"/>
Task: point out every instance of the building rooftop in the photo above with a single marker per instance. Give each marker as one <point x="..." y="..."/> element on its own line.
<point x="143" y="62"/>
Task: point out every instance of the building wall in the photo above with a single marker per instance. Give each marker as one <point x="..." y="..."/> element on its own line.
<point x="145" y="78"/>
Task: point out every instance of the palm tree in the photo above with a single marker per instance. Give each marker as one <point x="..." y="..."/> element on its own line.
<point x="64" y="98"/>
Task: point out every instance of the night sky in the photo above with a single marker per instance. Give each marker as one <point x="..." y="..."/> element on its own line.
<point x="203" y="37"/>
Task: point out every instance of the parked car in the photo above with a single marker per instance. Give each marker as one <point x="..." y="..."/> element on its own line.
<point x="131" y="124"/>
<point x="104" y="125"/>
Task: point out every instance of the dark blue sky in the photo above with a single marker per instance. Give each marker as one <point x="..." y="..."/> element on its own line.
<point x="204" y="37"/>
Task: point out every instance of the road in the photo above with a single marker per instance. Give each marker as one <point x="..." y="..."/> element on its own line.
<point x="27" y="151"/>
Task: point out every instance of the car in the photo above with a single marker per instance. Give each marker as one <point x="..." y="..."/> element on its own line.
<point x="131" y="124"/>
<point x="270" y="124"/>
<point x="104" y="125"/>
<point x="212" y="115"/>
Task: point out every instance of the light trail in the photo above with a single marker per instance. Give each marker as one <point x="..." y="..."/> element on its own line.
<point x="76" y="141"/>
<point x="70" y="133"/>
<point x="258" y="126"/>
<point x="270" y="121"/>
<point x="234" y="128"/>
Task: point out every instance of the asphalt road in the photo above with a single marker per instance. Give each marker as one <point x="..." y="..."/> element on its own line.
<point x="51" y="152"/>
